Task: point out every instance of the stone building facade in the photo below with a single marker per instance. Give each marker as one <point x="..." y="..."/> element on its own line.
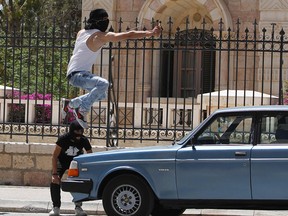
<point x="266" y="13"/>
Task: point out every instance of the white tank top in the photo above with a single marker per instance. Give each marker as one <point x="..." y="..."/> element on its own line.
<point x="83" y="58"/>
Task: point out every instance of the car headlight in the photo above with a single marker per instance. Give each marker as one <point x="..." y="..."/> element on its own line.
<point x="73" y="169"/>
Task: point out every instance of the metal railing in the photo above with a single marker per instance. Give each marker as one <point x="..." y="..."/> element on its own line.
<point x="161" y="88"/>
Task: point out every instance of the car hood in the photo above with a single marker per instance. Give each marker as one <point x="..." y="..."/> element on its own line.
<point x="153" y="152"/>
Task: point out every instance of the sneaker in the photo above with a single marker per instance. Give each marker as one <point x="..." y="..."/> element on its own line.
<point x="65" y="108"/>
<point x="79" y="211"/>
<point x="55" y="211"/>
<point x="80" y="117"/>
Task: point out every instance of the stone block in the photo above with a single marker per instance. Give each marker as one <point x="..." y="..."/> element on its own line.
<point x="11" y="177"/>
<point x="23" y="162"/>
<point x="37" y="178"/>
<point x="39" y="148"/>
<point x="1" y="147"/>
<point x="137" y="5"/>
<point x="126" y="5"/>
<point x="233" y="5"/>
<point x="16" y="148"/>
<point x="154" y="5"/>
<point x="44" y="162"/>
<point x="210" y="5"/>
<point x="87" y="5"/>
<point x="5" y="160"/>
<point x="215" y="14"/>
<point x="128" y="19"/>
<point x="248" y="5"/>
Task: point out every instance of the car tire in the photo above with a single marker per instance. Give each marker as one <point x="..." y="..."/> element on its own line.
<point x="159" y="210"/>
<point x="127" y="195"/>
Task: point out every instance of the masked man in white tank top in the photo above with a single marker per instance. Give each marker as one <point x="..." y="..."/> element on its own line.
<point x="87" y="47"/>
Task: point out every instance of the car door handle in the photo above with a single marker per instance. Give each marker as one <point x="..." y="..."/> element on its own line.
<point x="240" y="153"/>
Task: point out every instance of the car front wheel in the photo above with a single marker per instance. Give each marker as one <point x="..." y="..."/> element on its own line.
<point x="127" y="195"/>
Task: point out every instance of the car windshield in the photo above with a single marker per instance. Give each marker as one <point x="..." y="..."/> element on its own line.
<point x="226" y="129"/>
<point x="187" y="136"/>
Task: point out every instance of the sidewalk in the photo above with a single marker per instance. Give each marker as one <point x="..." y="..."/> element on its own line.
<point x="37" y="199"/>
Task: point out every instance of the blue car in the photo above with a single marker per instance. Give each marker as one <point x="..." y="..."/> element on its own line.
<point x="236" y="158"/>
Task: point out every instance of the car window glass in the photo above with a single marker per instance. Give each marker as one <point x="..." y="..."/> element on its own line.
<point x="274" y="129"/>
<point x="227" y="130"/>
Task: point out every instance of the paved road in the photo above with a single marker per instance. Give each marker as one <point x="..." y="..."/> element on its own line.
<point x="37" y="201"/>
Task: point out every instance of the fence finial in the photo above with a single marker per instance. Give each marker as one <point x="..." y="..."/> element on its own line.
<point x="187" y="25"/>
<point x="111" y="29"/>
<point x="282" y="32"/>
<point x="153" y="22"/>
<point x="246" y="31"/>
<point x="221" y="23"/>
<point x="169" y="26"/>
<point x="203" y="24"/>
<point x="273" y="30"/>
<point x="120" y="24"/>
<point x="136" y="23"/>
<point x="255" y="28"/>
<point x="238" y="23"/>
<point x="264" y="30"/>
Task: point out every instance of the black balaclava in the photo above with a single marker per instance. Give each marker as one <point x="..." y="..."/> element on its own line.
<point x="75" y="126"/>
<point x="98" y="19"/>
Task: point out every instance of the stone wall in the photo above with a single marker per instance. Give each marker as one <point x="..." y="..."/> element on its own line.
<point x="30" y="164"/>
<point x="27" y="164"/>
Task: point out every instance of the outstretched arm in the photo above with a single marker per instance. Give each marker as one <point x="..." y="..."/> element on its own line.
<point x="97" y="40"/>
<point x="133" y="34"/>
<point x="115" y="37"/>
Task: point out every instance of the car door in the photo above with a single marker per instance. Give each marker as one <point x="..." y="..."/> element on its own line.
<point x="269" y="158"/>
<point x="217" y="166"/>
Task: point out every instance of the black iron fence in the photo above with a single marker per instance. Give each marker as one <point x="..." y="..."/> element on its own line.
<point x="161" y="88"/>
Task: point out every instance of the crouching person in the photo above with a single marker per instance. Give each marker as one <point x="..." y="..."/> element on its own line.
<point x="67" y="147"/>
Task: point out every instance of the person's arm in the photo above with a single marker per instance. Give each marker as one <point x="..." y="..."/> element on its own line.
<point x="89" y="151"/>
<point x="56" y="153"/>
<point x="105" y="37"/>
<point x="115" y="37"/>
<point x="97" y="40"/>
<point x="87" y="145"/>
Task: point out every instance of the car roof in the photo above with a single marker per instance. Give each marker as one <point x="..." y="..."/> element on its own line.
<point x="253" y="109"/>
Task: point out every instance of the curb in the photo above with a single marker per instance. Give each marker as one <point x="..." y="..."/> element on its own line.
<point x="96" y="208"/>
<point x="45" y="207"/>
